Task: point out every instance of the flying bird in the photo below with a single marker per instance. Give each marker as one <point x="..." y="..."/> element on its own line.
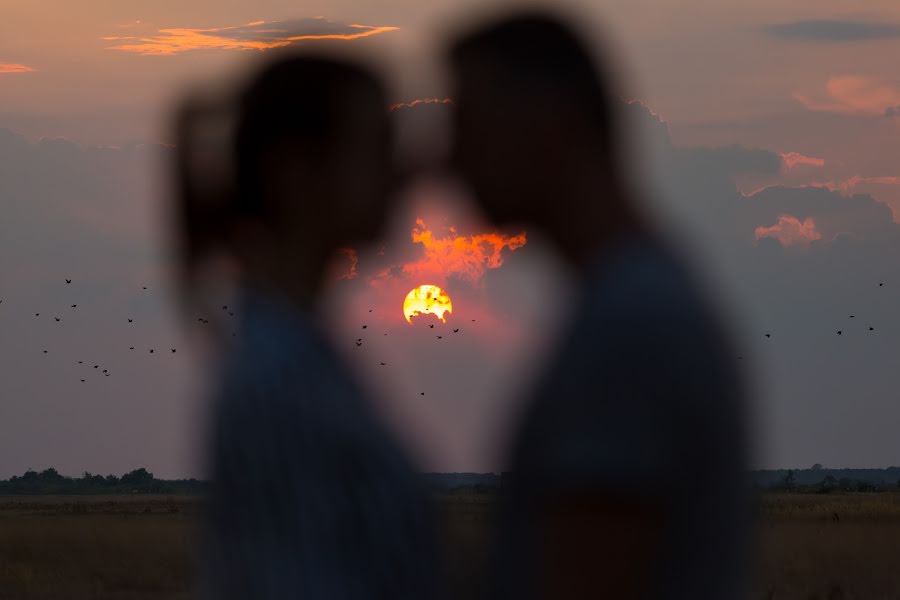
<point x="82" y="381"/>
<point x="421" y="393"/>
<point x="68" y="281"/>
<point x="439" y="337"/>
<point x="151" y="350"/>
<point x="382" y="364"/>
<point x="79" y="362"/>
<point x="839" y="332"/>
<point x="57" y="319"/>
<point x="768" y="335"/>
<point x="130" y="320"/>
<point x="871" y="329"/>
<point x="852" y="316"/>
<point x="45" y="352"/>
<point x="131" y="347"/>
<point x="359" y="343"/>
<point x="145" y="287"/>
<point x="173" y="350"/>
<point x="456" y="331"/>
<point x="73" y="306"/>
<point x="370" y="310"/>
<point x="881" y="284"/>
<point x="364" y="326"/>
<point x="432" y="326"/>
<point x="37" y="314"/>
<point x="96" y="366"/>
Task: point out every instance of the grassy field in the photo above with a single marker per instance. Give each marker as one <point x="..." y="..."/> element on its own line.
<point x="824" y="547"/>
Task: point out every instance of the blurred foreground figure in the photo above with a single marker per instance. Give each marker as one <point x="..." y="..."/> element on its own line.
<point x="628" y="463"/>
<point x="311" y="498"/>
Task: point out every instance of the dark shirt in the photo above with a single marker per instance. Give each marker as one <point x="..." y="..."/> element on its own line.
<point x="311" y="498"/>
<point x="641" y="405"/>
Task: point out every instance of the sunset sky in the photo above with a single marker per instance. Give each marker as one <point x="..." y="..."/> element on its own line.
<point x="769" y="133"/>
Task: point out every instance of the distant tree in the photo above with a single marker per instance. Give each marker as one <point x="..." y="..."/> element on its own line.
<point x="137" y="478"/>
<point x="789" y="480"/>
<point x="50" y="475"/>
<point x="817" y="467"/>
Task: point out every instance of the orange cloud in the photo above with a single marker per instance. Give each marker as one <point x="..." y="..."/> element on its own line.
<point x="790" y="231"/>
<point x="14" y="68"/>
<point x="257" y="35"/>
<point x="793" y="159"/>
<point x="418" y="101"/>
<point x="466" y="257"/>
<point x="853" y="95"/>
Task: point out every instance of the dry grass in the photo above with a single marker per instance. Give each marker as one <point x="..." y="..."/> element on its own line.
<point x="95" y="548"/>
<point x="140" y="547"/>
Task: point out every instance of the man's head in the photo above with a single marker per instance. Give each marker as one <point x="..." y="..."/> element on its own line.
<point x="313" y="151"/>
<point x="535" y="119"/>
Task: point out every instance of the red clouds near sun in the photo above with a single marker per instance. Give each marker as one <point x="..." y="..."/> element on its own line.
<point x="465" y="257"/>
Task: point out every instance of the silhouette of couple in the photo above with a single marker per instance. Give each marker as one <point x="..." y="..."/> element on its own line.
<point x="628" y="460"/>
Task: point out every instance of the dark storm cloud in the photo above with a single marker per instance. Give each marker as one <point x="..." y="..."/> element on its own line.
<point x="825" y="30"/>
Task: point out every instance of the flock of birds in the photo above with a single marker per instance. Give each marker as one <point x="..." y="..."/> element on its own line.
<point x="202" y="321"/>
<point x="106" y="372"/>
<point x="837" y="332"/>
<point x="359" y="341"/>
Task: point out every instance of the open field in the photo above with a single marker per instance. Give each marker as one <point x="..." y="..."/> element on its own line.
<point x="141" y="547"/>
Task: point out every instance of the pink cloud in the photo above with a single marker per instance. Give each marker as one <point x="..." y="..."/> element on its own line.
<point x="6" y="68"/>
<point x="790" y="231"/>
<point x="794" y="159"/>
<point x="418" y="101"/>
<point x="852" y="95"/>
<point x="846" y="185"/>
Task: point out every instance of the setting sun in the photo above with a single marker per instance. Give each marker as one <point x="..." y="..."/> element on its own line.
<point x="427" y="299"/>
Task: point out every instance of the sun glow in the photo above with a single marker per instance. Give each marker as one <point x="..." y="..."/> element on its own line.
<point x="427" y="299"/>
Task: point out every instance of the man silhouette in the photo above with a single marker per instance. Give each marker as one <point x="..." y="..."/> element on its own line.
<point x="311" y="498"/>
<point x="629" y="457"/>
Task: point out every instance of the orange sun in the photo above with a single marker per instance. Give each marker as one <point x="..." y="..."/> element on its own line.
<point x="427" y="299"/>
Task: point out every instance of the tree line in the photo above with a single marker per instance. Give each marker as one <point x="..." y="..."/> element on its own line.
<point x="138" y="481"/>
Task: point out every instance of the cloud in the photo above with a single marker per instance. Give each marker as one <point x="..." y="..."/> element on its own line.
<point x="825" y="30"/>
<point x="846" y="185"/>
<point x="790" y="231"/>
<point x="6" y="68"/>
<point x="454" y="255"/>
<point x="795" y="159"/>
<point x="853" y="95"/>
<point x="258" y="35"/>
<point x="419" y="101"/>
<point x="892" y="111"/>
<point x="732" y="160"/>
